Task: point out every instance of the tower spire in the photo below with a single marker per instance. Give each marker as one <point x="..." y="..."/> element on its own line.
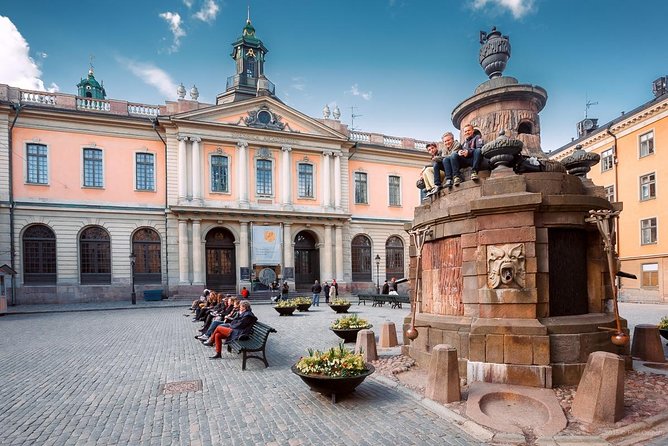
<point x="248" y="19"/>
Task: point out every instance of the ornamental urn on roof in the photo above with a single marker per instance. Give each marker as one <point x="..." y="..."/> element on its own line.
<point x="494" y="52"/>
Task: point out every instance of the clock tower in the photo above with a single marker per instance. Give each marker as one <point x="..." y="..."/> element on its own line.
<point x="249" y="81"/>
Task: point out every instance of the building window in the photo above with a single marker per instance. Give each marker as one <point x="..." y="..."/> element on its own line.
<point x="361" y="258"/>
<point x="39" y="256"/>
<point x="646" y="144"/>
<point x="610" y="193"/>
<point x="305" y="186"/>
<point x="220" y="174"/>
<point x="647" y="186"/>
<point x="36" y="165"/>
<point x="648" y="231"/>
<point x="606" y="160"/>
<point x="360" y="188"/>
<point x="95" y="256"/>
<point x="263" y="177"/>
<point x="145" y="166"/>
<point x="146" y="246"/>
<point x="650" y="275"/>
<point x="394" y="258"/>
<point x="394" y="189"/>
<point x="92" y="166"/>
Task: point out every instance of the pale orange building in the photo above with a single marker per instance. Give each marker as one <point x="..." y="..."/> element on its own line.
<point x="238" y="193"/>
<point x="633" y="165"/>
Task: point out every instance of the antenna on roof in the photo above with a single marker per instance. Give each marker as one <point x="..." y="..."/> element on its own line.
<point x="588" y="105"/>
<point x="90" y="63"/>
<point x="352" y="118"/>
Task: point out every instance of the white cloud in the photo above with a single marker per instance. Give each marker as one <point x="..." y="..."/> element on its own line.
<point x="53" y="88"/>
<point x="188" y="3"/>
<point x="175" y="22"/>
<point x="208" y="12"/>
<point x="298" y="83"/>
<point x="18" y="68"/>
<point x="43" y="55"/>
<point x="151" y="75"/>
<point x="519" y="8"/>
<point x="355" y="91"/>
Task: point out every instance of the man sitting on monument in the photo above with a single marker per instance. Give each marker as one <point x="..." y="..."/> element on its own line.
<point x="470" y="154"/>
<point x="433" y="175"/>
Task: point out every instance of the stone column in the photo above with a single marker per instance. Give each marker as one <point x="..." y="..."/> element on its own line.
<point x="288" y="252"/>
<point x="326" y="181"/>
<point x="242" y="173"/>
<point x="182" y="169"/>
<point x="337" y="182"/>
<point x="198" y="269"/>
<point x="339" y="253"/>
<point x="327" y="267"/>
<point x="183" y="252"/>
<point x="286" y="180"/>
<point x="196" y="170"/>
<point x="243" y="244"/>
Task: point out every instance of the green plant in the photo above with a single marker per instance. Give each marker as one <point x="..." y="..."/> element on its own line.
<point x="352" y="321"/>
<point x="285" y="303"/>
<point x="301" y="300"/>
<point x="334" y="362"/>
<point x="663" y="325"/>
<point x="339" y="302"/>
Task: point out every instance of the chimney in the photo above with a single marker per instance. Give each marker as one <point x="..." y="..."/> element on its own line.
<point x="660" y="86"/>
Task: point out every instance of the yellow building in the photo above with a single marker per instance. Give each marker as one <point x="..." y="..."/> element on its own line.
<point x="634" y="161"/>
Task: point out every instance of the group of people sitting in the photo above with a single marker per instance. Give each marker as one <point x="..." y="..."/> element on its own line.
<point x="444" y="170"/>
<point x="226" y="318"/>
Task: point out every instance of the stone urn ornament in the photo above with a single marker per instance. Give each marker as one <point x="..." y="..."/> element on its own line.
<point x="503" y="151"/>
<point x="494" y="52"/>
<point x="580" y="162"/>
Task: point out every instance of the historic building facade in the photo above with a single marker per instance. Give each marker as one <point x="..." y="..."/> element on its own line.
<point x="97" y="194"/>
<point x="632" y="169"/>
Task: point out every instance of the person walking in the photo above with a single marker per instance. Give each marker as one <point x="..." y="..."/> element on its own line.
<point x="285" y="290"/>
<point x="316" y="289"/>
<point x="326" y="289"/>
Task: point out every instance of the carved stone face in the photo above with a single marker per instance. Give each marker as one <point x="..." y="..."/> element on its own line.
<point x="505" y="266"/>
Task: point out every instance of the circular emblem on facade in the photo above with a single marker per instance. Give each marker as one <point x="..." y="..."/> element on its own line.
<point x="264" y="117"/>
<point x="267" y="275"/>
<point x="269" y="236"/>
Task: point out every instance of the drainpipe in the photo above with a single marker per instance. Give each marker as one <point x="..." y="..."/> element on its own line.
<point x="614" y="162"/>
<point x="156" y="124"/>
<point x="10" y="174"/>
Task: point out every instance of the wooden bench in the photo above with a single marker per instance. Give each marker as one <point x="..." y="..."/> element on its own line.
<point x="364" y="298"/>
<point x="396" y="300"/>
<point x="255" y="342"/>
<point x="379" y="300"/>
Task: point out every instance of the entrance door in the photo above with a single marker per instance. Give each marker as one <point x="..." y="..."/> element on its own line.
<point x="307" y="261"/>
<point x="568" y="271"/>
<point x="220" y="260"/>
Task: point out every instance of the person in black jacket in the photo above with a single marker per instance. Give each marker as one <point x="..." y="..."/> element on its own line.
<point x="470" y="154"/>
<point x="238" y="328"/>
<point x="316" y="289"/>
<point x="326" y="289"/>
<point x="285" y="289"/>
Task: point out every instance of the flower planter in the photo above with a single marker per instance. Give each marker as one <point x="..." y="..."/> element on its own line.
<point x="303" y="307"/>
<point x="333" y="385"/>
<point x="285" y="311"/>
<point x="340" y="308"/>
<point x="348" y="334"/>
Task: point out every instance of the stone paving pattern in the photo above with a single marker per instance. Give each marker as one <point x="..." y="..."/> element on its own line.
<point x="93" y="378"/>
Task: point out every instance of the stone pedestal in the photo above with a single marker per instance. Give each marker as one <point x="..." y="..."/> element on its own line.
<point x="366" y="345"/>
<point x="388" y="335"/>
<point x="600" y="394"/>
<point x="647" y="343"/>
<point x="443" y="377"/>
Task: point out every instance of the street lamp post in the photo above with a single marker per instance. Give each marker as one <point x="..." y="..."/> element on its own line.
<point x="377" y="274"/>
<point x="133" y="260"/>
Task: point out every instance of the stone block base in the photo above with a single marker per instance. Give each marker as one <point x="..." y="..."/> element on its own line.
<point x="524" y="375"/>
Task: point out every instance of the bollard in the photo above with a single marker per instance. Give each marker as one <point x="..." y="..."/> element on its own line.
<point x="366" y="344"/>
<point x="443" y="376"/>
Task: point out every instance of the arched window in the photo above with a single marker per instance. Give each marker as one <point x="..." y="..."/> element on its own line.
<point x="95" y="255"/>
<point x="361" y="258"/>
<point x="146" y="246"/>
<point x="39" y="256"/>
<point x="525" y="127"/>
<point x="394" y="258"/>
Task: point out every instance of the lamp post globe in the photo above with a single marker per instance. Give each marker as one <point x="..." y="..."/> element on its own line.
<point x="133" y="260"/>
<point x="377" y="273"/>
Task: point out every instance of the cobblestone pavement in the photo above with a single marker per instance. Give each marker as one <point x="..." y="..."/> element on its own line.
<point x="93" y="378"/>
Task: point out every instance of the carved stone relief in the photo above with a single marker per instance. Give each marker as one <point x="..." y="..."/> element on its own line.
<point x="506" y="266"/>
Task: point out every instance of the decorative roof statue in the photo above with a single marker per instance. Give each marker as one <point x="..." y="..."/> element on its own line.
<point x="337" y="112"/>
<point x="494" y="52"/>
<point x="194" y="93"/>
<point x="502" y="151"/>
<point x="181" y="91"/>
<point x="325" y="111"/>
<point x="580" y="162"/>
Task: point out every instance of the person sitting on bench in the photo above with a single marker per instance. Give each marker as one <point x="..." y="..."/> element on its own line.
<point x="239" y="328"/>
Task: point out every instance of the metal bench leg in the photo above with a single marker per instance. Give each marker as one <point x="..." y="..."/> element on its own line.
<point x="243" y="364"/>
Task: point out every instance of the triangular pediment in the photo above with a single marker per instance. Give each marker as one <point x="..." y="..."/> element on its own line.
<point x="260" y="113"/>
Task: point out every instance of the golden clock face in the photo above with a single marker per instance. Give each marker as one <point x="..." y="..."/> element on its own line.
<point x="250" y="52"/>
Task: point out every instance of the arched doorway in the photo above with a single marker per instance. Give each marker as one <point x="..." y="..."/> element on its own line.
<point x="307" y="261"/>
<point x="220" y="260"/>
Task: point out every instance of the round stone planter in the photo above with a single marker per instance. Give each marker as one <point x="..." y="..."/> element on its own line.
<point x="285" y="311"/>
<point x="303" y="307"/>
<point x="334" y="386"/>
<point x="340" y="308"/>
<point x="348" y="334"/>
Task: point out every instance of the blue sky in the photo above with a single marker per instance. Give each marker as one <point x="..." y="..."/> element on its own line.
<point x="403" y="64"/>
